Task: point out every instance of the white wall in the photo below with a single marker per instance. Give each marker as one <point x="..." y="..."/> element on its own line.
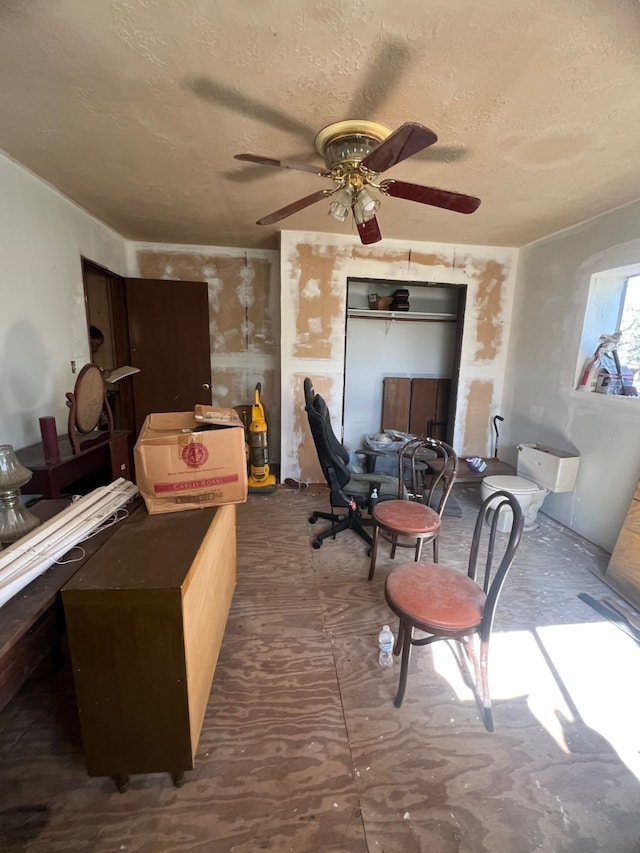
<point x="43" y="324"/>
<point x="541" y="403"/>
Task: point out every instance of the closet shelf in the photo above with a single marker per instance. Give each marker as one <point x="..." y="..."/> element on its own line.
<point x="369" y="314"/>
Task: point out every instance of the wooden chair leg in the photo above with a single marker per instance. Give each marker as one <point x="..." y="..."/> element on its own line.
<point x="480" y="686"/>
<point x="394" y="545"/>
<point x="418" y="553"/>
<point x="485" y="696"/>
<point x="374" y="550"/>
<point x="398" y="643"/>
<point x="123" y="783"/>
<point x="407" y="636"/>
<point x="435" y="550"/>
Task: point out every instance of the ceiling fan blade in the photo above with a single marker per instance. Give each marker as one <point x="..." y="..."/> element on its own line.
<point x="283" y="164"/>
<point x="430" y="195"/>
<point x="369" y="232"/>
<point x="407" y="140"/>
<point x="294" y="207"/>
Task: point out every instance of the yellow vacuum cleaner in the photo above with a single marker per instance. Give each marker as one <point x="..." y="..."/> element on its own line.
<point x="260" y="480"/>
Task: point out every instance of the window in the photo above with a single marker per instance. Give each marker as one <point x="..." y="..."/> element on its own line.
<point x="613" y="306"/>
<point x="629" y="324"/>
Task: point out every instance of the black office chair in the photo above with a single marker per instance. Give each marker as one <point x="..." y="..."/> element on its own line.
<point x="350" y="492"/>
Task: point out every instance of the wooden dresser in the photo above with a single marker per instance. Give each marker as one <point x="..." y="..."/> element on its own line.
<point x="145" y="621"/>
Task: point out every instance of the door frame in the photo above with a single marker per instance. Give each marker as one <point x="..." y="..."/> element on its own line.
<point x="118" y="332"/>
<point x="461" y="301"/>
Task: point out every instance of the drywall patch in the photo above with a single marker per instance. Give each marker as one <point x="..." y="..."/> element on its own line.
<point x="432" y="259"/>
<point x="488" y="303"/>
<point x="239" y="295"/>
<point x="477" y="417"/>
<point x="245" y="291"/>
<point x="312" y="289"/>
<point x="318" y="304"/>
<point x="412" y="264"/>
<point x="358" y="253"/>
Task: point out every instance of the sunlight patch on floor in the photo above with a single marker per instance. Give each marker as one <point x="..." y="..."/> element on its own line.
<point x="599" y="666"/>
<point x="595" y="684"/>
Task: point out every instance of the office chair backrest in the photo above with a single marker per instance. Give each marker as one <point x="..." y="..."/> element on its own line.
<point x="332" y="455"/>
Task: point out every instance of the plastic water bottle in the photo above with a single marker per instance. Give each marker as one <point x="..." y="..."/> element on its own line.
<point x="385" y="641"/>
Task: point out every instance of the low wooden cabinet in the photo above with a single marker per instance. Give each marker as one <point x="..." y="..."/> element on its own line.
<point x="623" y="571"/>
<point x="145" y="621"/>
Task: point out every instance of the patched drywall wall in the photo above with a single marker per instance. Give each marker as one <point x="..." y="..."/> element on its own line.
<point x="317" y="304"/>
<point x="243" y="319"/>
<point x="315" y="269"/>
<point x="479" y="402"/>
<point x="488" y="298"/>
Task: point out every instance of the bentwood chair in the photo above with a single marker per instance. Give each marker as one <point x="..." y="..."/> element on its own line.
<point x="416" y="513"/>
<point x="446" y="604"/>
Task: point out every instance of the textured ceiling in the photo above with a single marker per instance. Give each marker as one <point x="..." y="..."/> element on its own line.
<point x="135" y="108"/>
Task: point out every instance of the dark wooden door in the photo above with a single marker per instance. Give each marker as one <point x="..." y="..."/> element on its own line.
<point x="168" y="324"/>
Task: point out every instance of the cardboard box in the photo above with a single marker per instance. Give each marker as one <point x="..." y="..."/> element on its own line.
<point x="182" y="463"/>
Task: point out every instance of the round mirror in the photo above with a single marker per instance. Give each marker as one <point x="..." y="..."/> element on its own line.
<point x="89" y="397"/>
<point x="87" y="404"/>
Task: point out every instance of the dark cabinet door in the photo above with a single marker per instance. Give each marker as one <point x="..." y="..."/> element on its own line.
<point x="396" y="403"/>
<point x="417" y="406"/>
<point x="168" y="324"/>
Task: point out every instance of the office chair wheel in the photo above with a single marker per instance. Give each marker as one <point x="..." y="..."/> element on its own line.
<point x="316" y="544"/>
<point x="312" y="520"/>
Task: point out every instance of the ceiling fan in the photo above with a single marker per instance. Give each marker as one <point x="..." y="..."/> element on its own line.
<point x="356" y="153"/>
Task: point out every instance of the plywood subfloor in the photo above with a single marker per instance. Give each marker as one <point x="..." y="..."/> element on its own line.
<point x="302" y="749"/>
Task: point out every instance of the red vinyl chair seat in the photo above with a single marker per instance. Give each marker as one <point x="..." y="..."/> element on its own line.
<point x="406" y="517"/>
<point x="435" y="597"/>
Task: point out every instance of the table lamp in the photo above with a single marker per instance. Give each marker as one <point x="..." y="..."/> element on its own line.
<point x="15" y="518"/>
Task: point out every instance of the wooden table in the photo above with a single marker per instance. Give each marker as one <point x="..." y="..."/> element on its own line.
<point x="32" y="622"/>
<point x="103" y="462"/>
<point x="466" y="474"/>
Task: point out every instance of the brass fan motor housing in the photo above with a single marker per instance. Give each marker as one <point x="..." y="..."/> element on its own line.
<point x="345" y="143"/>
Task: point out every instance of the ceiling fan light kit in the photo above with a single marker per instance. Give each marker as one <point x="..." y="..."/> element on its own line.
<point x="341" y="203"/>
<point x="364" y="206"/>
<point x="356" y="152"/>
